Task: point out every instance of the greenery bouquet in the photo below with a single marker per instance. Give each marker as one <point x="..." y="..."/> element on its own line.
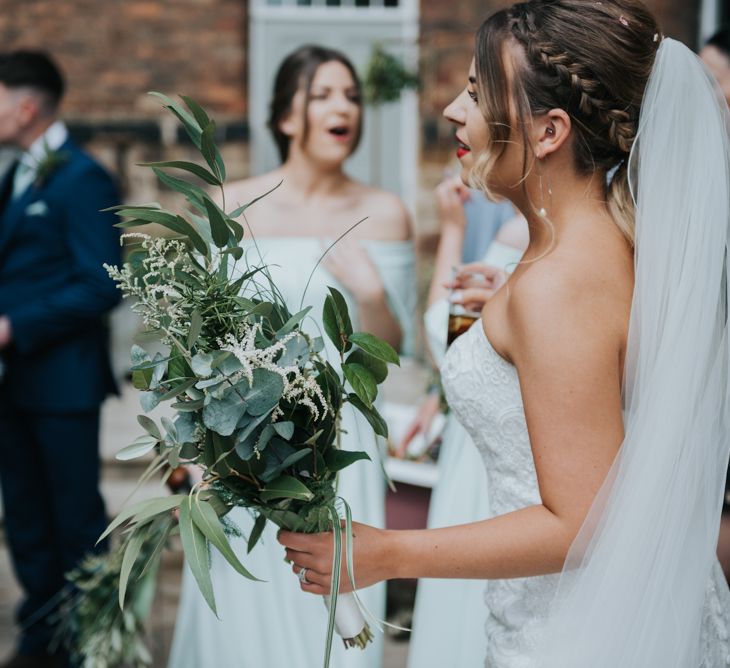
<point x="256" y="403"/>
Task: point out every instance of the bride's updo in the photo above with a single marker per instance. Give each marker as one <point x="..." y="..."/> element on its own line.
<point x="591" y="59"/>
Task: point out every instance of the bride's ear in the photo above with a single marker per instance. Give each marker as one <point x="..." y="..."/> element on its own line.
<point x="550" y="132"/>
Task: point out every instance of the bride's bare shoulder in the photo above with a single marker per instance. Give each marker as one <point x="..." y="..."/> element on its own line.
<point x="572" y="300"/>
<point x="387" y="216"/>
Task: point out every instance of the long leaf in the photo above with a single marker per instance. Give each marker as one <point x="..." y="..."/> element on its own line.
<point x="189" y="123"/>
<point x="140" y="447"/>
<point x="237" y="212"/>
<point x="258" y="529"/>
<point x="207" y="521"/>
<point x="193" y="168"/>
<point x="196" y="552"/>
<point x="136" y="540"/>
<point x="193" y="193"/>
<point x="218" y="226"/>
<point x="196" y="325"/>
<point x="143" y="509"/>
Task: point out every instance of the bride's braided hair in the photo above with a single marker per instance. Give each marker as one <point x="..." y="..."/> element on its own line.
<point x="591" y="59"/>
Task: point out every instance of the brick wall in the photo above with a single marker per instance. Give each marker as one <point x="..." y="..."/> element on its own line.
<point x="113" y="51"/>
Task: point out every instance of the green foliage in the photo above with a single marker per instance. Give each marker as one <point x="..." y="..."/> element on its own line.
<point x="386" y="78"/>
<point x="257" y="405"/>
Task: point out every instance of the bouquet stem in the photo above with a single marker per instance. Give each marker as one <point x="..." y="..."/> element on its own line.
<point x="349" y="622"/>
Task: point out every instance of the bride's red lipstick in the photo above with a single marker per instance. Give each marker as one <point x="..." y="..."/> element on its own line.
<point x="461" y="148"/>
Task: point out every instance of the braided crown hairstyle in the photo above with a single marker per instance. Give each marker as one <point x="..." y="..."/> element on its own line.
<point x="591" y="59"/>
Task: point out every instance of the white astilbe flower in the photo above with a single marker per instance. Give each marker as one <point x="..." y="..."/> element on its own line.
<point x="157" y="294"/>
<point x="299" y="385"/>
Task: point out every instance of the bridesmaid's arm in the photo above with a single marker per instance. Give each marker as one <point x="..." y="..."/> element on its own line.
<point x="566" y="349"/>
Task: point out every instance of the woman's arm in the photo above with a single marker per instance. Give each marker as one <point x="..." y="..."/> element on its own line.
<point x="565" y="343"/>
<point x="450" y="197"/>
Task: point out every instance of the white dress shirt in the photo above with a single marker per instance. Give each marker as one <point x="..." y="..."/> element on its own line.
<point x="26" y="171"/>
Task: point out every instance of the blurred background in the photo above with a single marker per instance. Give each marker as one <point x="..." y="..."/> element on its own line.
<point x="224" y="54"/>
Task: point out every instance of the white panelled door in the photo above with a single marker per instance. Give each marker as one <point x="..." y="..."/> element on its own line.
<point x="388" y="152"/>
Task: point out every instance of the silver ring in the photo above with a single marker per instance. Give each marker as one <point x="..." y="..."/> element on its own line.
<point x="302" y="575"/>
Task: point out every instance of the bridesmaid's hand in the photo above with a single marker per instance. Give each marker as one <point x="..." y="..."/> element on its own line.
<point x="421" y="424"/>
<point x="451" y="194"/>
<point x="476" y="284"/>
<point x="352" y="266"/>
<point x="314" y="552"/>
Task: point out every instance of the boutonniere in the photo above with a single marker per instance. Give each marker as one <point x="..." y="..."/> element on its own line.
<point x="48" y="164"/>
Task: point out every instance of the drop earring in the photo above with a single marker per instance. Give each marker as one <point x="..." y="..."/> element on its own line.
<point x="542" y="211"/>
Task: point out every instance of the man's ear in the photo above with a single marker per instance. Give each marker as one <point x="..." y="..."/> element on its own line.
<point x="29" y="109"/>
<point x="551" y="131"/>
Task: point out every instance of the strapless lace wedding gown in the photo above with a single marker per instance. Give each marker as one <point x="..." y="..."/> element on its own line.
<point x="483" y="390"/>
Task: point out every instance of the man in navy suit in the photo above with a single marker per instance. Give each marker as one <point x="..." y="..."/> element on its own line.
<point x="54" y="294"/>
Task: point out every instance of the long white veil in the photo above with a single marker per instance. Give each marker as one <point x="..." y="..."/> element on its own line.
<point x="632" y="591"/>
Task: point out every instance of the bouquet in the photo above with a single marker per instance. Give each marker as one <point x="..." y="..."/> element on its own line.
<point x="257" y="404"/>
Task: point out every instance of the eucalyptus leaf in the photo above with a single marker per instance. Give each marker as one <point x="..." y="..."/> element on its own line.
<point x="292" y="322"/>
<point x="191" y="167"/>
<point x="296" y="350"/>
<point x="189" y="406"/>
<point x="131" y="552"/>
<point x="221" y="233"/>
<point x="207" y="521"/>
<point x="222" y="415"/>
<point x="284" y="429"/>
<point x="195" y="548"/>
<point x="143" y="510"/>
<point x="201" y="364"/>
<point x="177" y="389"/>
<point x="193" y="193"/>
<point x="148" y="424"/>
<point x="256" y="531"/>
<point x="265" y="392"/>
<point x="140" y="447"/>
<point x="196" y="325"/>
<point x="149" y="400"/>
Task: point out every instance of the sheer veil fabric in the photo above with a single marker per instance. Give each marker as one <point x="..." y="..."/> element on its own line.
<point x="633" y="587"/>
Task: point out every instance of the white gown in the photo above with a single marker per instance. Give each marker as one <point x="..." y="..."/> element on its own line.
<point x="450" y="608"/>
<point x="483" y="390"/>
<point x="274" y="624"/>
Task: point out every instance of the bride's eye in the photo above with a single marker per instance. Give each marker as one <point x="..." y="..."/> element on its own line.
<point x="472" y="95"/>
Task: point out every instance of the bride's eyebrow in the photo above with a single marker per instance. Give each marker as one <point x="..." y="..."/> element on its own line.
<point x="473" y="81"/>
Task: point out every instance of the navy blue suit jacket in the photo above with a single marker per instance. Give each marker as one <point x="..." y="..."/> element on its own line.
<point x="53" y="287"/>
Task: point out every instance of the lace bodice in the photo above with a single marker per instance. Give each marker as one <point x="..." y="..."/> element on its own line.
<point x="483" y="390"/>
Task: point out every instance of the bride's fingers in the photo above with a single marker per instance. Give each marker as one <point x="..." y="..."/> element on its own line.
<point x="316" y="583"/>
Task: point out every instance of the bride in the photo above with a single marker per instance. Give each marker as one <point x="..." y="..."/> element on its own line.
<point x="596" y="384"/>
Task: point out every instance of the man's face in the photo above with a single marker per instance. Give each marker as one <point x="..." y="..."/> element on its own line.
<point x="14" y="114"/>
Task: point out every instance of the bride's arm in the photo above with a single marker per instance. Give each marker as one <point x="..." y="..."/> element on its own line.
<point x="565" y="339"/>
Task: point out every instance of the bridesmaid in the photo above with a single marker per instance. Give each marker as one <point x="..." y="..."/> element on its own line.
<point x="316" y="121"/>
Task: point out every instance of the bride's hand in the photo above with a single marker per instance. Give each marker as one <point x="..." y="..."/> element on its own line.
<point x="314" y="552"/>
